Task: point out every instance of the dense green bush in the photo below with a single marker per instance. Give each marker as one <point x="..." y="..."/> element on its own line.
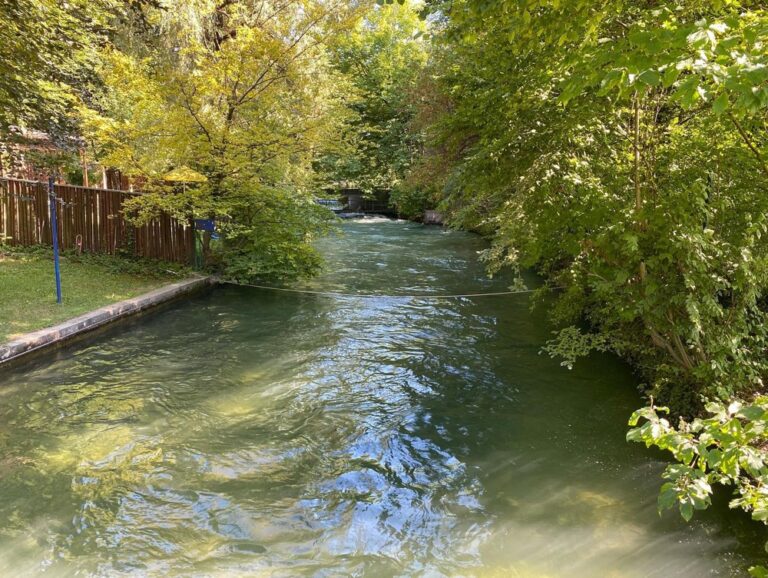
<point x="618" y="148"/>
<point x="413" y="202"/>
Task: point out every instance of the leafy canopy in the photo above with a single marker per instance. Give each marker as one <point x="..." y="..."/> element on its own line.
<point x="244" y="94"/>
<point x="619" y="148"/>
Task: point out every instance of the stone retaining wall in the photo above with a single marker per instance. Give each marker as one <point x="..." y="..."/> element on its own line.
<point x="54" y="336"/>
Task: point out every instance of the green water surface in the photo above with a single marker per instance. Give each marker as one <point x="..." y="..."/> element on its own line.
<point x="254" y="433"/>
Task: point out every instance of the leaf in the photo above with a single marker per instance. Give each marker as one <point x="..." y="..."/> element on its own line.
<point x="699" y="39"/>
<point x="760" y="514"/>
<point x="720" y="104"/>
<point x="686" y="511"/>
<point x="751" y="412"/>
<point x="714" y="458"/>
<point x="667" y="497"/>
<point x="687" y="93"/>
<point x="671" y="74"/>
<point x="649" y="78"/>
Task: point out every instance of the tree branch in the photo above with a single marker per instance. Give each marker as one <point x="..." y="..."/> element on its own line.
<point x="750" y="144"/>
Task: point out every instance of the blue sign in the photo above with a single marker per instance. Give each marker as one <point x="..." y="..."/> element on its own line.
<point x="205" y="225"/>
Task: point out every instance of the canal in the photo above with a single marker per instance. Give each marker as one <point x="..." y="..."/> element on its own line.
<point x="251" y="432"/>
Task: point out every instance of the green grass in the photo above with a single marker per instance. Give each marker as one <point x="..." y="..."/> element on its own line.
<point x="28" y="292"/>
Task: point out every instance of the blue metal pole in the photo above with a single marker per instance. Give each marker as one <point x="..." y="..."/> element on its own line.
<point x="55" y="234"/>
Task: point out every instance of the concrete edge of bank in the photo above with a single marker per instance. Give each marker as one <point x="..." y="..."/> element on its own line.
<point x="52" y="337"/>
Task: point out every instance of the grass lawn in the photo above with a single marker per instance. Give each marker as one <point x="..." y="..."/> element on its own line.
<point x="28" y="291"/>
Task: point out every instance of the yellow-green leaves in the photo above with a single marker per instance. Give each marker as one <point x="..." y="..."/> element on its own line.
<point x="47" y="50"/>
<point x="234" y="102"/>
<point x="382" y="59"/>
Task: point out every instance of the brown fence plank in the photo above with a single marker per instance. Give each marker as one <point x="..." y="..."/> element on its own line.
<point x="13" y="232"/>
<point x="40" y="210"/>
<point x="95" y="215"/>
<point x="4" y="208"/>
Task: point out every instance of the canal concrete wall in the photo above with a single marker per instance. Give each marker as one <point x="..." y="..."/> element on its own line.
<point x="55" y="336"/>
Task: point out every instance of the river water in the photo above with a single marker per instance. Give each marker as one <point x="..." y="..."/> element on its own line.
<point x="250" y="432"/>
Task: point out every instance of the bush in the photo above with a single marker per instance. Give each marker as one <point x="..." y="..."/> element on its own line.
<point x="727" y="447"/>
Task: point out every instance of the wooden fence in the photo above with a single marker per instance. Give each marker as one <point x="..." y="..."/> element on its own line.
<point x="93" y="217"/>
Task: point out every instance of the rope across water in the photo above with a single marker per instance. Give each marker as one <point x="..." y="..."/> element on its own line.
<point x="379" y="296"/>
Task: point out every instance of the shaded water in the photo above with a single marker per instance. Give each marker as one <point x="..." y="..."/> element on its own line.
<point x="248" y="432"/>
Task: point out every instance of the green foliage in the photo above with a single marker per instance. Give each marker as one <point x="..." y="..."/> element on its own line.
<point x="382" y="57"/>
<point x="619" y="148"/>
<point x="620" y="154"/>
<point x="726" y="447"/>
<point x="571" y="344"/>
<point x="270" y="235"/>
<point x="412" y="202"/>
<point x="47" y="54"/>
<point x="243" y="94"/>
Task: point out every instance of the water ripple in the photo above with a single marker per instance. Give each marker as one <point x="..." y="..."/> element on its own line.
<point x="249" y="433"/>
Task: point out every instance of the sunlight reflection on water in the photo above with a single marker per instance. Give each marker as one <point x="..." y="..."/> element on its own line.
<point x="254" y="433"/>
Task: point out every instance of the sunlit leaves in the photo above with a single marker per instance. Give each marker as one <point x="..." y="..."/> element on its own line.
<point x="382" y="58"/>
<point x="244" y="94"/>
<point x="727" y="447"/>
<point x="46" y="51"/>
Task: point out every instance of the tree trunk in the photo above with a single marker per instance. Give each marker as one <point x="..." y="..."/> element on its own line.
<point x="84" y="162"/>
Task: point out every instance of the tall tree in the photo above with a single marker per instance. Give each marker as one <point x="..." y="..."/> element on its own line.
<point x="243" y="93"/>
<point x="382" y="57"/>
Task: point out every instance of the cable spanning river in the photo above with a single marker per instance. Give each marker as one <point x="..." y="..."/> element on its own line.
<point x="251" y="432"/>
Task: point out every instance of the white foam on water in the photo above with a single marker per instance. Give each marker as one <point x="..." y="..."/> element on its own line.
<point x="375" y="219"/>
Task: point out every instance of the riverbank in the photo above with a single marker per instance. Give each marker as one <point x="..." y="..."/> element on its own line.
<point x="58" y="335"/>
<point x="28" y="297"/>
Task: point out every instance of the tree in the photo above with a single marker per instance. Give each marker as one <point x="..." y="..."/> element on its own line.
<point x="619" y="149"/>
<point x="382" y="57"/>
<point x="49" y="51"/>
<point x="242" y="92"/>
